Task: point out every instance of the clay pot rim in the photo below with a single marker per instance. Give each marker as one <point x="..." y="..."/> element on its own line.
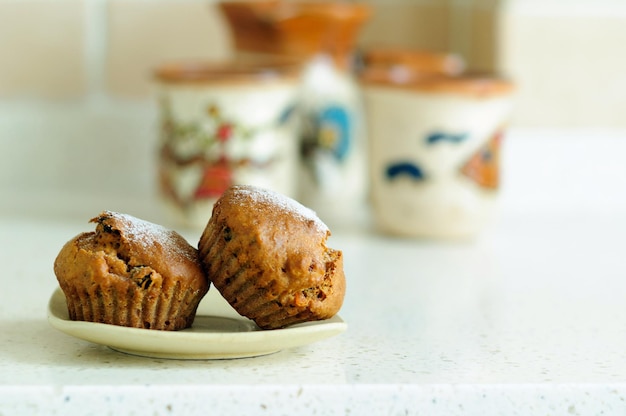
<point x="421" y="60"/>
<point x="471" y="84"/>
<point x="227" y="70"/>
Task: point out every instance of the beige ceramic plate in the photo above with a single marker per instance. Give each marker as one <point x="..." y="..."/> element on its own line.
<point x="218" y="332"/>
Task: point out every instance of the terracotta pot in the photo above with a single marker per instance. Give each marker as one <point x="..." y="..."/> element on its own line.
<point x="296" y="28"/>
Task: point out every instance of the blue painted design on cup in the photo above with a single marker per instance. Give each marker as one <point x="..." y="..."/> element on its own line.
<point x="438" y="136"/>
<point x="401" y="169"/>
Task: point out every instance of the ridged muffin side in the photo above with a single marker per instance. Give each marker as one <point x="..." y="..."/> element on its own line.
<point x="267" y="256"/>
<point x="131" y="272"/>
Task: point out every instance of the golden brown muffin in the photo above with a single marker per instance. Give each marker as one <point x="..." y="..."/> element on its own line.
<point x="267" y="256"/>
<point x="131" y="272"/>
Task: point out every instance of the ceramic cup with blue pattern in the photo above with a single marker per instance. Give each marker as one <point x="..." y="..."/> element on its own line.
<point x="434" y="151"/>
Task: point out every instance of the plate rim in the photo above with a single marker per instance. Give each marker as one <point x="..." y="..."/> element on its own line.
<point x="248" y="343"/>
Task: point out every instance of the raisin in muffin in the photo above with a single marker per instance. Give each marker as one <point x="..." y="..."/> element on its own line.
<point x="131" y="272"/>
<point x="267" y="256"/>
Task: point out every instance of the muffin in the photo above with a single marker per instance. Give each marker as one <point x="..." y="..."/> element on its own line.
<point x="267" y="256"/>
<point x="131" y="272"/>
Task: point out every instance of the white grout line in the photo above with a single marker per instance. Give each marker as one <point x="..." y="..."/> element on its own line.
<point x="95" y="51"/>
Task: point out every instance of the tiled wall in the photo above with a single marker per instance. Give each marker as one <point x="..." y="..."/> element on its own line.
<point x="569" y="59"/>
<point x="142" y="34"/>
<point x="566" y="55"/>
<point x="42" y="51"/>
<point x="75" y="75"/>
<point x="68" y="48"/>
<point x="423" y="24"/>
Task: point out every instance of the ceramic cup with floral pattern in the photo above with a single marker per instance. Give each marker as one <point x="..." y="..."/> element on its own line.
<point x="223" y="124"/>
<point x="435" y="152"/>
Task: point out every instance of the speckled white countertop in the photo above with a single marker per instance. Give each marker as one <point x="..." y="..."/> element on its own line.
<point x="529" y="319"/>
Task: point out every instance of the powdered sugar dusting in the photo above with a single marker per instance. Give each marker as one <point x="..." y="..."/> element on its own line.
<point x="280" y="202"/>
<point x="147" y="233"/>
